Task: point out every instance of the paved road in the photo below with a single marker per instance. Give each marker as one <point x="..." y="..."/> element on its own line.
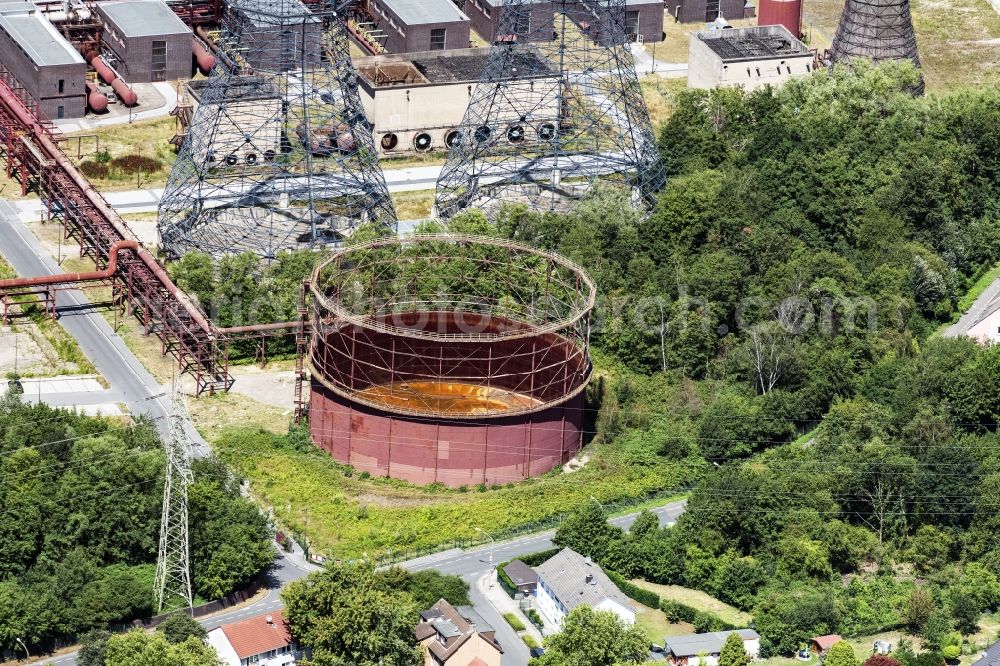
<point x="471" y="565"/>
<point x="987" y="303"/>
<point x="98" y="341"/>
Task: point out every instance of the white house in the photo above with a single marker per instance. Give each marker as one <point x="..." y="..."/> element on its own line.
<point x="704" y="649"/>
<point x="567" y="580"/>
<point x="263" y="640"/>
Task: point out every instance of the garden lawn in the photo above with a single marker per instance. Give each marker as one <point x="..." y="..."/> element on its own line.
<point x="698" y="600"/>
<point x="345" y="516"/>
<point x="656" y="625"/>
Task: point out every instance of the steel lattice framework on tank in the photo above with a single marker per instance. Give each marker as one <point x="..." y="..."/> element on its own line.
<point x="878" y="30"/>
<point x="507" y="322"/>
<point x="279" y="154"/>
<point x="557" y="108"/>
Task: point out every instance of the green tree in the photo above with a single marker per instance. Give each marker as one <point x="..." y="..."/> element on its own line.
<point x="930" y="547"/>
<point x="586" y="531"/>
<point x="594" y="638"/>
<point x="93" y="645"/>
<point x="138" y="648"/>
<point x="733" y="653"/>
<point x="428" y="586"/>
<point x="841" y="654"/>
<point x="179" y="626"/>
<point x="917" y="610"/>
<point x="349" y="614"/>
<point x="965" y="613"/>
<point x="935" y="631"/>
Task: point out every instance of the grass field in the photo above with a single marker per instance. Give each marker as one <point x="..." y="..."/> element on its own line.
<point x="959" y="40"/>
<point x="656" y="625"/>
<point x="347" y="516"/>
<point x="147" y="138"/>
<point x="698" y="600"/>
<point x="413" y="205"/>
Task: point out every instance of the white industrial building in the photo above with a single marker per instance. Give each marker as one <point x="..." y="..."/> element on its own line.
<point x="747" y="58"/>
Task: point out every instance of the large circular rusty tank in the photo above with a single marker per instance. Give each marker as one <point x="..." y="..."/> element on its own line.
<point x="449" y="358"/>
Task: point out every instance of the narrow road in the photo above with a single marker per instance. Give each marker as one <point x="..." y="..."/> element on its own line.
<point x="987" y="303"/>
<point x="98" y="341"/>
<point x="471" y="565"/>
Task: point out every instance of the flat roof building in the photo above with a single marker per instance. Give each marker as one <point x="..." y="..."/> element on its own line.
<point x="416" y="101"/>
<point x="643" y="18"/>
<point x="421" y="25"/>
<point x="42" y="62"/>
<point x="746" y="58"/>
<point x="147" y="40"/>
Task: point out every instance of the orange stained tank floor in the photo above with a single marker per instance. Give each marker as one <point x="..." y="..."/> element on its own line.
<point x="444" y="397"/>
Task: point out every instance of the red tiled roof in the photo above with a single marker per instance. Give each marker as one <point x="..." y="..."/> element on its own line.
<point x="256" y="635"/>
<point x="827" y="641"/>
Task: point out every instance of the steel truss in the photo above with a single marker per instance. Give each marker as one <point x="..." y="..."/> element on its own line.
<point x="558" y="107"/>
<point x="878" y="30"/>
<point x="279" y="154"/>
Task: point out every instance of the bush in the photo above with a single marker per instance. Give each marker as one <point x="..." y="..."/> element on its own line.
<point x="632" y="591"/>
<point x="529" y="640"/>
<point x="514" y="621"/>
<point x="132" y="164"/>
<point x="535" y="618"/>
<point x="951" y="652"/>
<point x="94" y="169"/>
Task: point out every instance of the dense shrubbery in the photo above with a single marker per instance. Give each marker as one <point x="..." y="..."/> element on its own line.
<point x="79" y="519"/>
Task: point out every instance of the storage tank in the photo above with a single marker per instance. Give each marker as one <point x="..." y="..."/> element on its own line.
<point x="205" y="60"/>
<point x="125" y="94"/>
<point x="452" y="359"/>
<point x="781" y="12"/>
<point x="96" y="100"/>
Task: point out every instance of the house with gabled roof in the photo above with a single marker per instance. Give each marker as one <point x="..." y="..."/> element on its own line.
<point x="567" y="580"/>
<point x="264" y="640"/>
<point x="457" y="637"/>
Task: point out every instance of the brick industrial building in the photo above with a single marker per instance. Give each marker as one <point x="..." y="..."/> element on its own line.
<point x="420" y="25"/>
<point x="706" y="11"/>
<point x="49" y="69"/>
<point x="146" y="40"/>
<point x="643" y="18"/>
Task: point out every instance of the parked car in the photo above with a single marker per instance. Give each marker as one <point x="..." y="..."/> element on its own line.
<point x="536" y="651"/>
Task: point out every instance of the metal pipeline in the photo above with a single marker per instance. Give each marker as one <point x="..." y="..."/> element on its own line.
<point x="89" y="276"/>
<point x="49" y="146"/>
<point x="259" y="328"/>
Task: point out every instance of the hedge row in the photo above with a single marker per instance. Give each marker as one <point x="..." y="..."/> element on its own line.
<point x="674" y="610"/>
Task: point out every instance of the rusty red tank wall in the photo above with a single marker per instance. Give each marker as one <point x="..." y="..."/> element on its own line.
<point x="781" y="12"/>
<point x="545" y="366"/>
<point x="452" y="452"/>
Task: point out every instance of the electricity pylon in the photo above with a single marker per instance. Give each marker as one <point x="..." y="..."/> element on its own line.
<point x="173" y="565"/>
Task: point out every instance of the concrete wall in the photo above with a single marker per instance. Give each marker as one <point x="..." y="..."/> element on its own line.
<point x="42" y="81"/>
<point x="707" y="70"/>
<point x="408" y="111"/>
